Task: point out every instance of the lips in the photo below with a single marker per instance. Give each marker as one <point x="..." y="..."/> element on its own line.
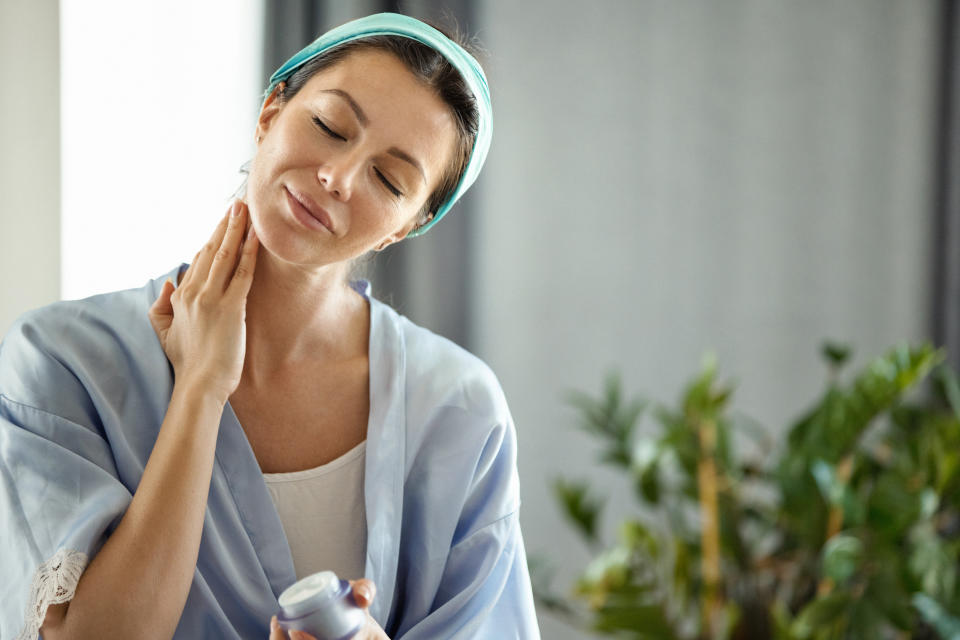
<point x="308" y="211"/>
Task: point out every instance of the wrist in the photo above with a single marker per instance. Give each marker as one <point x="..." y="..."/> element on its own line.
<point x="197" y="392"/>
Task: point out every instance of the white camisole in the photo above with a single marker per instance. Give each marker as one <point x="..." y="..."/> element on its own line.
<point x="324" y="515"/>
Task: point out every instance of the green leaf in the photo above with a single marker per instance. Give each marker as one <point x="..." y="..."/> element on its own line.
<point x="646" y="622"/>
<point x="834" y="427"/>
<point x="580" y="508"/>
<point x="781" y="621"/>
<point x="830" y="488"/>
<point x="951" y="388"/>
<point x="932" y="563"/>
<point x="649" y="483"/>
<point x="866" y="621"/>
<point x="886" y="589"/>
<point x="611" y="418"/>
<point x="946" y="625"/>
<point x="892" y="506"/>
<point x="638" y="536"/>
<point x="842" y="556"/>
<point x="821" y="612"/>
<point x="836" y="353"/>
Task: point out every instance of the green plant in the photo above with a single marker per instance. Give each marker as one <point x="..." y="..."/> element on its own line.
<point x="849" y="528"/>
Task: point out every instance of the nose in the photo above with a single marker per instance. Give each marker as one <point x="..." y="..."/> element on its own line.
<point x="338" y="174"/>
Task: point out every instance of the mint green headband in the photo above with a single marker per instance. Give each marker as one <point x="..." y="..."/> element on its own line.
<point x="394" y="24"/>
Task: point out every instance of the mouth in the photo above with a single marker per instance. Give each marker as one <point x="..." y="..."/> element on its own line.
<point x="307" y="211"/>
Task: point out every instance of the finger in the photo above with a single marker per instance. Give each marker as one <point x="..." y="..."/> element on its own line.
<point x="364" y="591"/>
<point x="243" y="274"/>
<point x="276" y="633"/>
<point x="200" y="267"/>
<point x="161" y="311"/>
<point x="300" y="635"/>
<point x="215" y="238"/>
<point x="225" y="259"/>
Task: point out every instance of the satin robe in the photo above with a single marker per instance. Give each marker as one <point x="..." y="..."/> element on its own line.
<point x="84" y="387"/>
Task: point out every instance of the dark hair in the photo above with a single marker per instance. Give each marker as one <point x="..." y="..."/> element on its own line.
<point x="436" y="72"/>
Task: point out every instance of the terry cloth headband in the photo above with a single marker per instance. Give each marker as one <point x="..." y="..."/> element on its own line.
<point x="394" y="24"/>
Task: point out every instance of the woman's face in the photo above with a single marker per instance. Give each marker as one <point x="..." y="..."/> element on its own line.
<point x="346" y="164"/>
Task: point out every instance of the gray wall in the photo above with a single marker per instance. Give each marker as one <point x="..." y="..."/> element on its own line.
<point x="747" y="176"/>
<point x="29" y="156"/>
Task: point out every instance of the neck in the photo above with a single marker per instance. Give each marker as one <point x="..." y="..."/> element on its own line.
<point x="297" y="316"/>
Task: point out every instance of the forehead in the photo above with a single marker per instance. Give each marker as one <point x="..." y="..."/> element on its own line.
<point x="400" y="109"/>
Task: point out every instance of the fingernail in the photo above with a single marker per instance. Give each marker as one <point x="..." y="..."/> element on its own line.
<point x="235" y="209"/>
<point x="274" y="625"/>
<point x="363" y="592"/>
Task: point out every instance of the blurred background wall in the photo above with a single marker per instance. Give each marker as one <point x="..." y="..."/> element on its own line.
<point x="666" y="178"/>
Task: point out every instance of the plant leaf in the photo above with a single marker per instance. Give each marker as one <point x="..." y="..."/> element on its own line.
<point x="580" y="508"/>
<point x="842" y="556"/>
<point x="821" y="612"/>
<point x="836" y="353"/>
<point x="946" y="625"/>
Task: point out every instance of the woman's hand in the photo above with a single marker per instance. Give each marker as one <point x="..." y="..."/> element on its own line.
<point x="201" y="323"/>
<point x="363" y="593"/>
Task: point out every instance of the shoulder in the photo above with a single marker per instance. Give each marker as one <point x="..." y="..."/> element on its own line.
<point x="458" y="425"/>
<point x="453" y="376"/>
<point x="455" y="409"/>
<point x="70" y="345"/>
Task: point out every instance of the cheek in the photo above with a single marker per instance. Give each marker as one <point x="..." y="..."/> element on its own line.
<point x="264" y="167"/>
<point x="254" y="189"/>
<point x="259" y="192"/>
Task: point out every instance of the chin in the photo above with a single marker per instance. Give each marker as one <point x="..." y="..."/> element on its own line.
<point x="282" y="240"/>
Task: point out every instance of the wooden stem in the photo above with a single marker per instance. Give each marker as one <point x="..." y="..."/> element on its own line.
<point x="710" y="523"/>
<point x="835" y="516"/>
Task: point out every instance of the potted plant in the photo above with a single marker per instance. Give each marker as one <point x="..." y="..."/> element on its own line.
<point x="849" y="528"/>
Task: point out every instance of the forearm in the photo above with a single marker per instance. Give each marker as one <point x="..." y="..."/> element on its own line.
<point x="137" y="584"/>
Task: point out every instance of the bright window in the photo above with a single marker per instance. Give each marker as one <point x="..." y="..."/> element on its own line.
<point x="159" y="105"/>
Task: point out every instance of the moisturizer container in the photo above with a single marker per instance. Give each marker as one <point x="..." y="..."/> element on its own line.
<point x="322" y="605"/>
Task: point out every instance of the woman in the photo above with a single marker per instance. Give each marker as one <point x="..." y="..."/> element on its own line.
<point x="175" y="456"/>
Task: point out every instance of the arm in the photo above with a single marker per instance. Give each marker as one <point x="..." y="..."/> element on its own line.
<point x="137" y="584"/>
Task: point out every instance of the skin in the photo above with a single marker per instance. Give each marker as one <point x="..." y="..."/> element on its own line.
<point x="304" y="271"/>
<point x="221" y="332"/>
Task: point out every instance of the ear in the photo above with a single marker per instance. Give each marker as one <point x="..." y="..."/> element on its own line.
<point x="398" y="235"/>
<point x="268" y="112"/>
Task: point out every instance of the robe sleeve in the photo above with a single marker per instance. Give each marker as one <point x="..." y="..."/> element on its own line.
<point x="485" y="590"/>
<point x="59" y="490"/>
<point x="484" y="586"/>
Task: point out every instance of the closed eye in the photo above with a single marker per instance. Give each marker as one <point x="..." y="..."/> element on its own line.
<point x="388" y="184"/>
<point x="330" y="132"/>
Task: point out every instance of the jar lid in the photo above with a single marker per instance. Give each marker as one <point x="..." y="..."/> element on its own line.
<point x="308" y="593"/>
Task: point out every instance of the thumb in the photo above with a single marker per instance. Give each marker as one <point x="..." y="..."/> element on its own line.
<point x="161" y="311"/>
<point x="364" y="591"/>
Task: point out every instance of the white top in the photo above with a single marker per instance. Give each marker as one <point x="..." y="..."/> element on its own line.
<point x="323" y="514"/>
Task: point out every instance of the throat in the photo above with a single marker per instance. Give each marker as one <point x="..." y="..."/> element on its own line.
<point x="303" y="420"/>
<point x="279" y="343"/>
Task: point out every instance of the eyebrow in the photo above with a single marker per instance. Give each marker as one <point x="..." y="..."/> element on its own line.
<point x="397" y="153"/>
<point x="362" y="117"/>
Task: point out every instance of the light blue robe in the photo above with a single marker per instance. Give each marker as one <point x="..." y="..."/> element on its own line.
<point x="84" y="386"/>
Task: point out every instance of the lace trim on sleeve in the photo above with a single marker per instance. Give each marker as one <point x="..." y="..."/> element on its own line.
<point x="54" y="583"/>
